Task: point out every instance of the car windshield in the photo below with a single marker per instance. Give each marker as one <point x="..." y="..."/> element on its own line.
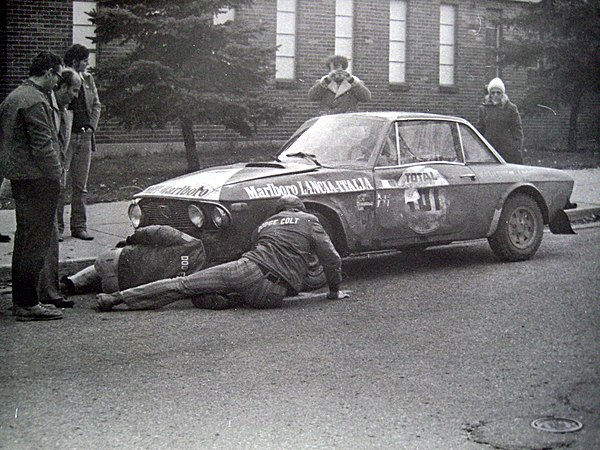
<point x="336" y="141"/>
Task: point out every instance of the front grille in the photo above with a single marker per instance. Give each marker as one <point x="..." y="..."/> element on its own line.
<point x="157" y="211"/>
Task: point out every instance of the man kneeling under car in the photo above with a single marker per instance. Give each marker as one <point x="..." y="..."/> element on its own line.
<point x="159" y="252"/>
<point x="277" y="266"/>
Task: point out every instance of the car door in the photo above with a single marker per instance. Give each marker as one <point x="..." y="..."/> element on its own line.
<point x="425" y="193"/>
<point x="493" y="177"/>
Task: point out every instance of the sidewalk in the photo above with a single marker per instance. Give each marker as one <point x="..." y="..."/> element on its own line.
<point x="108" y="223"/>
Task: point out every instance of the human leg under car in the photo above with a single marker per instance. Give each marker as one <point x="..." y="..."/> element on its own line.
<point x="241" y="276"/>
<point x="103" y="276"/>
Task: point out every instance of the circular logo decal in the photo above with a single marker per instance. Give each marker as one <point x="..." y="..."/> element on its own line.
<point x="425" y="204"/>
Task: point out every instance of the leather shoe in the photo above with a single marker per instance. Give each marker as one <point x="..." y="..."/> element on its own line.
<point x="82" y="234"/>
<point x="107" y="301"/>
<point x="67" y="287"/>
<point x="60" y="302"/>
<point x="36" y="312"/>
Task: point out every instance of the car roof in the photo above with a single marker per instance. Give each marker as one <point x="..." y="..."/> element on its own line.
<point x="399" y="115"/>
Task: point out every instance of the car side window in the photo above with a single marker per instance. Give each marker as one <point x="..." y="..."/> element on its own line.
<point x="428" y="140"/>
<point x="475" y="149"/>
<point x="389" y="153"/>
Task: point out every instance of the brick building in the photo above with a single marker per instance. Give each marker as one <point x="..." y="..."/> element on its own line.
<point x="414" y="55"/>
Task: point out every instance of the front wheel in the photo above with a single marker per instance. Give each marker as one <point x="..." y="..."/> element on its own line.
<point x="336" y="239"/>
<point x="520" y="230"/>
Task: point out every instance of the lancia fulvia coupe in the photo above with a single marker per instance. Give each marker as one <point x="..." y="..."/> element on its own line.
<point x="377" y="181"/>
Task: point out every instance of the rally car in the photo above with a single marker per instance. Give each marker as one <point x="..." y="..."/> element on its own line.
<point x="377" y="181"/>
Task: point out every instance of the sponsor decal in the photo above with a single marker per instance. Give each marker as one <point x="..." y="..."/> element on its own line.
<point x="191" y="191"/>
<point x="309" y="187"/>
<point x="206" y="185"/>
<point x="383" y="200"/>
<point x="425" y="204"/>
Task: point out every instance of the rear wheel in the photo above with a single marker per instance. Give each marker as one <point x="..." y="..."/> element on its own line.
<point x="520" y="230"/>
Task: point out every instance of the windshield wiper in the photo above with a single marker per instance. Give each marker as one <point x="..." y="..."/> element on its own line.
<point x="308" y="156"/>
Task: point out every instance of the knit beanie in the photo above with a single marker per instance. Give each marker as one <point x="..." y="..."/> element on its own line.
<point x="496" y="83"/>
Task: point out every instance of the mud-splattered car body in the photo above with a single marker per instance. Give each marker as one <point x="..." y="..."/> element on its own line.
<point x="377" y="181"/>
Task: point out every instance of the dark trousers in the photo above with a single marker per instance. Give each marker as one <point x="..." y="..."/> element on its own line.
<point x="35" y="210"/>
<point x="48" y="284"/>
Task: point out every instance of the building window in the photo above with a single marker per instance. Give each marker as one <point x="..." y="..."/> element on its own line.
<point x="344" y="21"/>
<point x="447" y="44"/>
<point x="83" y="29"/>
<point x="493" y="40"/>
<point x="397" y="41"/>
<point x="223" y="16"/>
<point x="285" y="61"/>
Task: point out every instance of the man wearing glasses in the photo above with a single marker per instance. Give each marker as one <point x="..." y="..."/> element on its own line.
<point x="500" y="123"/>
<point x="29" y="158"/>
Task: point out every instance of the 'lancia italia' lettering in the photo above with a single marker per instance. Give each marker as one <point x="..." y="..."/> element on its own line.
<point x="310" y="187"/>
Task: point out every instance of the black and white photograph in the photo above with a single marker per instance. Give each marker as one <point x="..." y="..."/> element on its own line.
<point x="300" y="224"/>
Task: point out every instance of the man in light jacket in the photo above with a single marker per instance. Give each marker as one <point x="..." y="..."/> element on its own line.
<point x="86" y="113"/>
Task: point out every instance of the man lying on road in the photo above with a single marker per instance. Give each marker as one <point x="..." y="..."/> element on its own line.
<point x="151" y="253"/>
<point x="263" y="276"/>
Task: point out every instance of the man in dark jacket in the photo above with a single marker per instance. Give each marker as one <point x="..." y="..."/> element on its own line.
<point x="29" y="158"/>
<point x="500" y="123"/>
<point x="151" y="253"/>
<point x="64" y="92"/>
<point x="263" y="276"/>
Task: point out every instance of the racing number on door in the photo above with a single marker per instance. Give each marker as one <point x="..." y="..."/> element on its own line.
<point x="428" y="200"/>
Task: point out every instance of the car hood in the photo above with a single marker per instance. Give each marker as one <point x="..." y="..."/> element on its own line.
<point x="207" y="184"/>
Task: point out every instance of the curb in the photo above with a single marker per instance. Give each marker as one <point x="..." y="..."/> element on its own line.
<point x="580" y="217"/>
<point x="67" y="267"/>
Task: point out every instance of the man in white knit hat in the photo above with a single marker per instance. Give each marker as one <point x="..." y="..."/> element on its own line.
<point x="500" y="122"/>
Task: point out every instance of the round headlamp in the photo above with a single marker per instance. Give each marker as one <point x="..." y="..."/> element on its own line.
<point x="196" y="215"/>
<point x="220" y="217"/>
<point x="135" y="215"/>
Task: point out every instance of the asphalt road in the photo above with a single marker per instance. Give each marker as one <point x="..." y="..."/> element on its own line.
<point x="448" y="349"/>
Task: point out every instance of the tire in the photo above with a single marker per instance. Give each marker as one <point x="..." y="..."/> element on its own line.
<point x="330" y="230"/>
<point x="520" y="231"/>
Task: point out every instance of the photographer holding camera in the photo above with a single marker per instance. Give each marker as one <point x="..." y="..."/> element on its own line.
<point x="339" y="91"/>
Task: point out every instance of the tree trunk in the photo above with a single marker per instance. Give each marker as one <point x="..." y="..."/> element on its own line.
<point x="189" y="140"/>
<point x="572" y="139"/>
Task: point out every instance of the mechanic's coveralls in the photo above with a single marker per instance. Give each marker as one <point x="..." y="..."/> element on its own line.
<point x="152" y="253"/>
<point x="262" y="276"/>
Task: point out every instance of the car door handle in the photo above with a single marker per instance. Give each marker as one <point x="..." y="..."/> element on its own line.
<point x="470" y="176"/>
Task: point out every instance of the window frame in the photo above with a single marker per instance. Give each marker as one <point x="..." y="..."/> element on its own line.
<point x="84" y="25"/>
<point x="279" y="58"/>
<point x="443" y="45"/>
<point x="403" y="40"/>
<point x="339" y="37"/>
